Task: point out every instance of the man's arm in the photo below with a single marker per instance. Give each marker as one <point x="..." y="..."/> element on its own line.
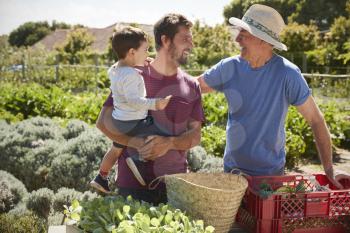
<point x="105" y="125"/>
<point x="314" y="117"/>
<point x="157" y="146"/>
<point x="203" y="85"/>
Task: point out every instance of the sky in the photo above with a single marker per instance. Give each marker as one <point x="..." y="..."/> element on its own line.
<point x="102" y="13"/>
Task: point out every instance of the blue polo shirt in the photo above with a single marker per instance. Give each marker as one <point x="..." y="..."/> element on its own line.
<point x="258" y="101"/>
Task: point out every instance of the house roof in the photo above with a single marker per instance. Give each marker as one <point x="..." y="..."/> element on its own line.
<point x="101" y="35"/>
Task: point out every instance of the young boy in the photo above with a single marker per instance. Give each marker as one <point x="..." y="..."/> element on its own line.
<point x="130" y="105"/>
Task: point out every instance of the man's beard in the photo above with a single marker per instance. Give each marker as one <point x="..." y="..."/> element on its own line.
<point x="180" y="59"/>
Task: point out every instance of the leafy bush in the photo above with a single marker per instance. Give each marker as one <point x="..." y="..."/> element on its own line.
<point x="26" y="223"/>
<point x="215" y="109"/>
<point x="295" y="149"/>
<point x="65" y="196"/>
<point x="33" y="100"/>
<point x="78" y="159"/>
<point x="4" y="127"/>
<point x="39" y="159"/>
<point x="55" y="219"/>
<point x="212" y="165"/>
<point x="23" y="101"/>
<point x="40" y="202"/>
<point x="6" y="197"/>
<point x="300" y="140"/>
<point x="16" y="188"/>
<point x="88" y="196"/>
<point x="54" y="162"/>
<point x="25" y="145"/>
<point x="20" y="209"/>
<point x="196" y="157"/>
<point x="214" y="140"/>
<point x="74" y="129"/>
<point x="130" y="216"/>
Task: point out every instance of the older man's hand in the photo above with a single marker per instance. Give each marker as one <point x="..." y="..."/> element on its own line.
<point x="335" y="179"/>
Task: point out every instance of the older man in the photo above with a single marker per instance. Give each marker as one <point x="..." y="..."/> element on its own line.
<point x="259" y="87"/>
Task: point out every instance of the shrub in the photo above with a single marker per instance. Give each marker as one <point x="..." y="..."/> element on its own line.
<point x="6" y="197"/>
<point x="74" y="129"/>
<point x="27" y="223"/>
<point x="215" y="109"/>
<point x="89" y="196"/>
<point x="15" y="186"/>
<point x="40" y="202"/>
<point x="18" y="148"/>
<point x="212" y="165"/>
<point x="54" y="162"/>
<point x="33" y="100"/>
<point x="23" y="101"/>
<point x="78" y="159"/>
<point x="55" y="219"/>
<point x="65" y="196"/>
<point x="214" y="140"/>
<point x="294" y="149"/>
<point x="39" y="159"/>
<point x="4" y="127"/>
<point x="196" y="157"/>
<point x="20" y="209"/>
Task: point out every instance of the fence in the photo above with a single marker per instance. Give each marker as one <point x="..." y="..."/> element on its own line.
<point x="89" y="77"/>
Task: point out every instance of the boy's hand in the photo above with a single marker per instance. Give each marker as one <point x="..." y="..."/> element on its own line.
<point x="148" y="61"/>
<point x="162" y="103"/>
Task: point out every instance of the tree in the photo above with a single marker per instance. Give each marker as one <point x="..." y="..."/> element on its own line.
<point x="76" y="46"/>
<point x="211" y="44"/>
<point x="339" y="36"/>
<point x="29" y="33"/>
<point x="59" y="25"/>
<point x="335" y="47"/>
<point x="300" y="37"/>
<point x="322" y="12"/>
<point x="237" y="8"/>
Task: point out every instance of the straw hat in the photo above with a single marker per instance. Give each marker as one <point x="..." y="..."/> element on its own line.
<point x="263" y="22"/>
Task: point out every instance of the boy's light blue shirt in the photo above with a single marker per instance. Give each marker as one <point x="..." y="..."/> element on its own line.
<point x="258" y="101"/>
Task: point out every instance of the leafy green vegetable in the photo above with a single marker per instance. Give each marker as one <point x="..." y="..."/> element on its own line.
<point x="116" y="214"/>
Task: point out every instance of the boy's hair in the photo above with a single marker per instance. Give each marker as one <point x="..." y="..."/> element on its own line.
<point x="126" y="38"/>
<point x="169" y="25"/>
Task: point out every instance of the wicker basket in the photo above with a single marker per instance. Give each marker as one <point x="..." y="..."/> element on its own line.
<point x="212" y="197"/>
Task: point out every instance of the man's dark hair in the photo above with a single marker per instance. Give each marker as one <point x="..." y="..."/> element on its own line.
<point x="126" y="38"/>
<point x="169" y="25"/>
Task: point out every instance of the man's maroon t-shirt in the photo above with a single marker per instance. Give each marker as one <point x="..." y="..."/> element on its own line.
<point x="184" y="106"/>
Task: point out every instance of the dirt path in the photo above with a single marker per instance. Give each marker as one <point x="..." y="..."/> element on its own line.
<point x="342" y="162"/>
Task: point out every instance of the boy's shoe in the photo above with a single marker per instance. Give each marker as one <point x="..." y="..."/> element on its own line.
<point x="100" y="183"/>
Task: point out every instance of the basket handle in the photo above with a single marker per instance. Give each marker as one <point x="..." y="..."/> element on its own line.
<point x="155" y="182"/>
<point x="239" y="172"/>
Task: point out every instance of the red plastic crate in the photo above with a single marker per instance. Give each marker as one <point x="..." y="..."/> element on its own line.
<point x="327" y="211"/>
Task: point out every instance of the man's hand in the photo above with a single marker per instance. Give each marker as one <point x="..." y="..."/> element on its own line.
<point x="334" y="179"/>
<point x="155" y="147"/>
<point x="136" y="143"/>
